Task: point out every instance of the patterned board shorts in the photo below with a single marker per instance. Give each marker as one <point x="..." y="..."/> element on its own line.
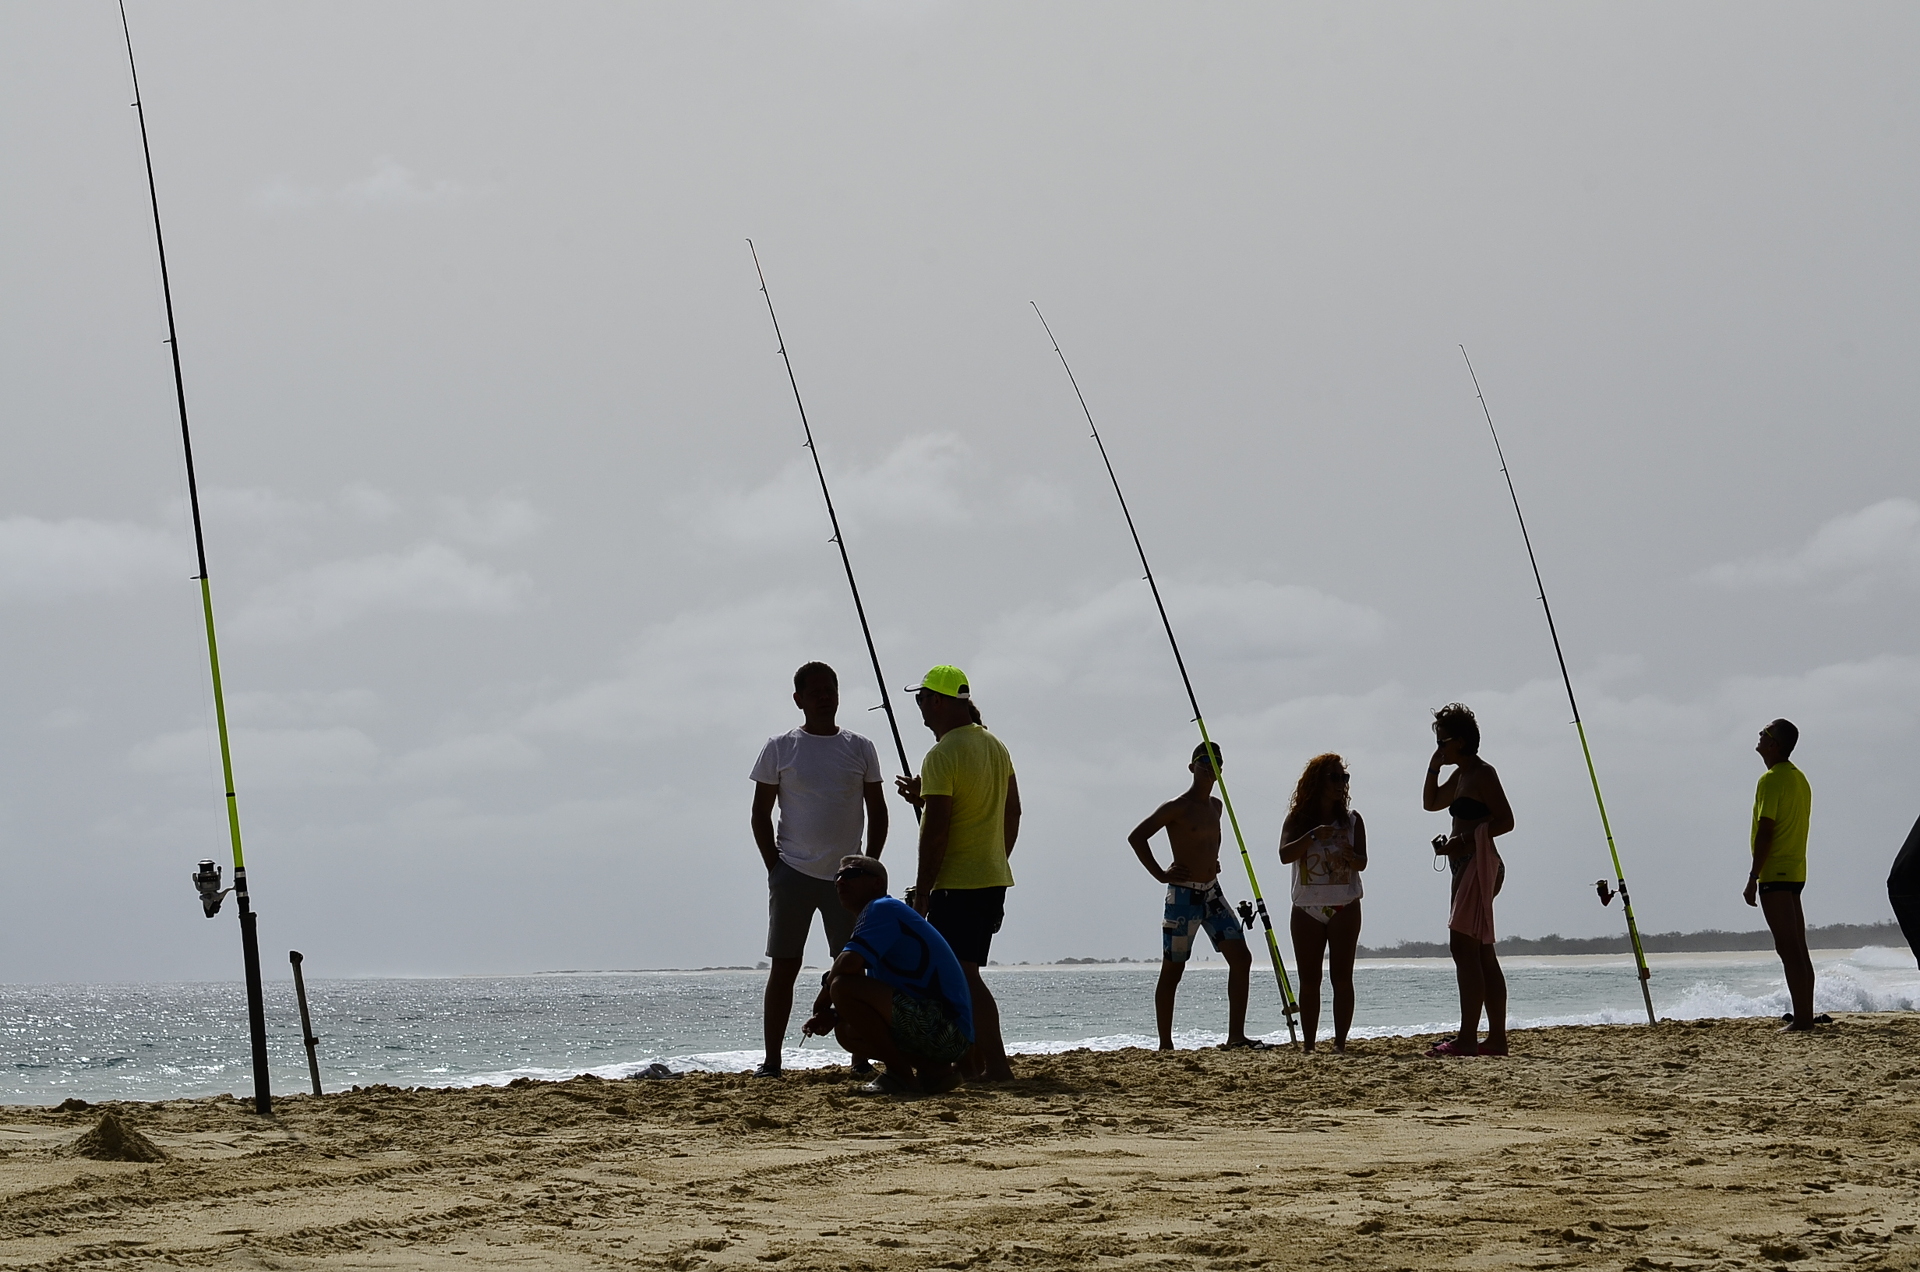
<point x="922" y="1029"/>
<point x="1191" y="909"/>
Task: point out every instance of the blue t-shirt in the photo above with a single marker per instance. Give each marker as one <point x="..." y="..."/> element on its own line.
<point x="904" y="951"/>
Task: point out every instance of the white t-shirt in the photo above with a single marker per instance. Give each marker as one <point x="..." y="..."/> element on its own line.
<point x="822" y="784"/>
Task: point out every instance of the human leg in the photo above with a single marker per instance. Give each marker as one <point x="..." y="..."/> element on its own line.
<point x="1163" y="992"/>
<point x="968" y="918"/>
<point x="1239" y="977"/>
<point x="790" y="906"/>
<point x="988" y="1058"/>
<point x="777" y="1008"/>
<point x="863" y="1008"/>
<point x="1309" y="949"/>
<point x="1788" y="923"/>
<point x="1494" y="983"/>
<point x="1468" y="969"/>
<point x="1343" y="939"/>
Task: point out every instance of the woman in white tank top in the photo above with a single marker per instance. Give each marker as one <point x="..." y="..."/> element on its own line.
<point x="1325" y="842"/>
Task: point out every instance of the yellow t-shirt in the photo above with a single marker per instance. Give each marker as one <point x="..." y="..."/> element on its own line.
<point x="1784" y="796"/>
<point x="971" y="765"/>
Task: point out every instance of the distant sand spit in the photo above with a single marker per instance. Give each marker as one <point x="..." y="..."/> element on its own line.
<point x="1705" y="1144"/>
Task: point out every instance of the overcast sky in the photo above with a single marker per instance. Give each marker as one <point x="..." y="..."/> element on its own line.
<point x="515" y="549"/>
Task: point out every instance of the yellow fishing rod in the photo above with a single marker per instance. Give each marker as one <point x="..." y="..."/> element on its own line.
<point x="1288" y="1004"/>
<point x="1619" y="875"/>
<point x="208" y="878"/>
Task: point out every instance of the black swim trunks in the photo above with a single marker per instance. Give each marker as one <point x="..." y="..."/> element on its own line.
<point x="968" y="918"/>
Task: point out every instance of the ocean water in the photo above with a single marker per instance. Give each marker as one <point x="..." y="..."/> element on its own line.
<point x="160" y="1041"/>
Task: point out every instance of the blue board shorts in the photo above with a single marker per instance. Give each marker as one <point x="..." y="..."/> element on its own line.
<point x="923" y="1029"/>
<point x="1191" y="909"/>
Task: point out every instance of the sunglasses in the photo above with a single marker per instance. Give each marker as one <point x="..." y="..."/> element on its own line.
<point x="853" y="872"/>
<point x="1339" y="779"/>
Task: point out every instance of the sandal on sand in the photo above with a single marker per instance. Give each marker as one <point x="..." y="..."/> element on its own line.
<point x="1246" y="1044"/>
<point x="885" y="1083"/>
<point x="1451" y="1049"/>
<point x="1786" y="1017"/>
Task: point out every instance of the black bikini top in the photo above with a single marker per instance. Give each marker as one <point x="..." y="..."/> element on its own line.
<point x="1466" y="808"/>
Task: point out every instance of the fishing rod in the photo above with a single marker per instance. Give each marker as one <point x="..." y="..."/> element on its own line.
<point x="208" y="879"/>
<point x="1619" y="875"/>
<point x="1246" y="858"/>
<point x="839" y="540"/>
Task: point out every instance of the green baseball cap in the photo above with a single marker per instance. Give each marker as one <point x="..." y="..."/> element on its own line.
<point x="950" y="682"/>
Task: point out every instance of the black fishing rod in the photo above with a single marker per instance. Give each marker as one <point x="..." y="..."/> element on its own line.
<point x="1246" y="858"/>
<point x="839" y="540"/>
<point x="1619" y="875"/>
<point x="208" y="880"/>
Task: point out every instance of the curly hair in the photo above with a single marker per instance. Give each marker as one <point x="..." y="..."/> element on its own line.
<point x="1458" y="723"/>
<point x="1313" y="795"/>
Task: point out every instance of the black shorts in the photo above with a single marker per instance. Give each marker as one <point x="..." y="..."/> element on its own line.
<point x="1781" y="885"/>
<point x="968" y="918"/>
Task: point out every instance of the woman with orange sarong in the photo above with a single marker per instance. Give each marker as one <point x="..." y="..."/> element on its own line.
<point x="1474" y="797"/>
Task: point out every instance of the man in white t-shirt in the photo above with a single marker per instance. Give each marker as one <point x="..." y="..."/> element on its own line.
<point x="826" y="781"/>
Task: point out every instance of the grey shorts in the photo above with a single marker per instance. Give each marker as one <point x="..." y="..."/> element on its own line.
<point x="792" y="898"/>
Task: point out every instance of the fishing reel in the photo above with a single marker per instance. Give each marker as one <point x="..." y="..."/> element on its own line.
<point x="207" y="880"/>
<point x="1605" y="893"/>
<point x="1246" y="915"/>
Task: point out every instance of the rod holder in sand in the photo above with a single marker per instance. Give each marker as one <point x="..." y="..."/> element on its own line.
<point x="306" y="1021"/>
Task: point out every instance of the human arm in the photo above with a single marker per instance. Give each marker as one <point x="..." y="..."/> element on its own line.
<point x="1434" y="793"/>
<point x="1501" y="822"/>
<point x="908" y="788"/>
<point x="1143" y="849"/>
<point x="1359" y="854"/>
<point x="848" y="963"/>
<point x="875" y="795"/>
<point x="1010" y="820"/>
<point x="764" y="795"/>
<point x="1291" y="850"/>
<point x="1762" y="847"/>
<point x="936" y="823"/>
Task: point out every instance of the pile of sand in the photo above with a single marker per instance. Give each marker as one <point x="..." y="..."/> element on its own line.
<point x="114" y="1141"/>
<point x="1717" y="1144"/>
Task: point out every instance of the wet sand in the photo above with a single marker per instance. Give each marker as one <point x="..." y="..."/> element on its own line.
<point x="1710" y="1144"/>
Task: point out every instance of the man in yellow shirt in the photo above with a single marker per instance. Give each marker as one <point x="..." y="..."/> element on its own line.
<point x="969" y="803"/>
<point x="1782" y="809"/>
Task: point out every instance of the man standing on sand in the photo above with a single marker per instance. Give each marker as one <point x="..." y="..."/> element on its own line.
<point x="820" y="775"/>
<point x="896" y="993"/>
<point x="970" y="816"/>
<point x="1782" y="808"/>
<point x="1903" y="889"/>
<point x="1194" y="899"/>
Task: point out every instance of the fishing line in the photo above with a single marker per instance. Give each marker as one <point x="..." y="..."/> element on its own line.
<point x="1246" y="858"/>
<point x="208" y="880"/>
<point x="839" y="540"/>
<point x="1619" y="875"/>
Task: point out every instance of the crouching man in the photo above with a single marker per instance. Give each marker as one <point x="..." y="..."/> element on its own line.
<point x="896" y="992"/>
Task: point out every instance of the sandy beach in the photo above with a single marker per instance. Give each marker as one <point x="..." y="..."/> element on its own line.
<point x="1705" y="1144"/>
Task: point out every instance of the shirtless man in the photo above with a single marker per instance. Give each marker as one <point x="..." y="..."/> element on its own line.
<point x="1194" y="900"/>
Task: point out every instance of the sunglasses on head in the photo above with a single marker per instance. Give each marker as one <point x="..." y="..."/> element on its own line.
<point x="851" y="872"/>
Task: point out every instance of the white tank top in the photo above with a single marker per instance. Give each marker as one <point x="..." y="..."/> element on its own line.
<point x="1321" y="876"/>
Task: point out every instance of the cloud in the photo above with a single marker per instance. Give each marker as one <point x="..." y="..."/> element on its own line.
<point x="930" y="480"/>
<point x="1878" y="545"/>
<point x="495" y="751"/>
<point x="1237" y="630"/>
<point x="717" y="665"/>
<point x="391" y="184"/>
<point x="41" y="560"/>
<point x="302" y="707"/>
<point x="499" y="521"/>
<point x="265" y="759"/>
<point x="430" y="577"/>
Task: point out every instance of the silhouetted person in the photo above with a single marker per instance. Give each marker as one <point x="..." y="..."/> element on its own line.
<point x="1194" y="900"/>
<point x="1325" y="841"/>
<point x="1903" y="889"/>
<point x="823" y="777"/>
<point x="1782" y="808"/>
<point x="1478" y="803"/>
